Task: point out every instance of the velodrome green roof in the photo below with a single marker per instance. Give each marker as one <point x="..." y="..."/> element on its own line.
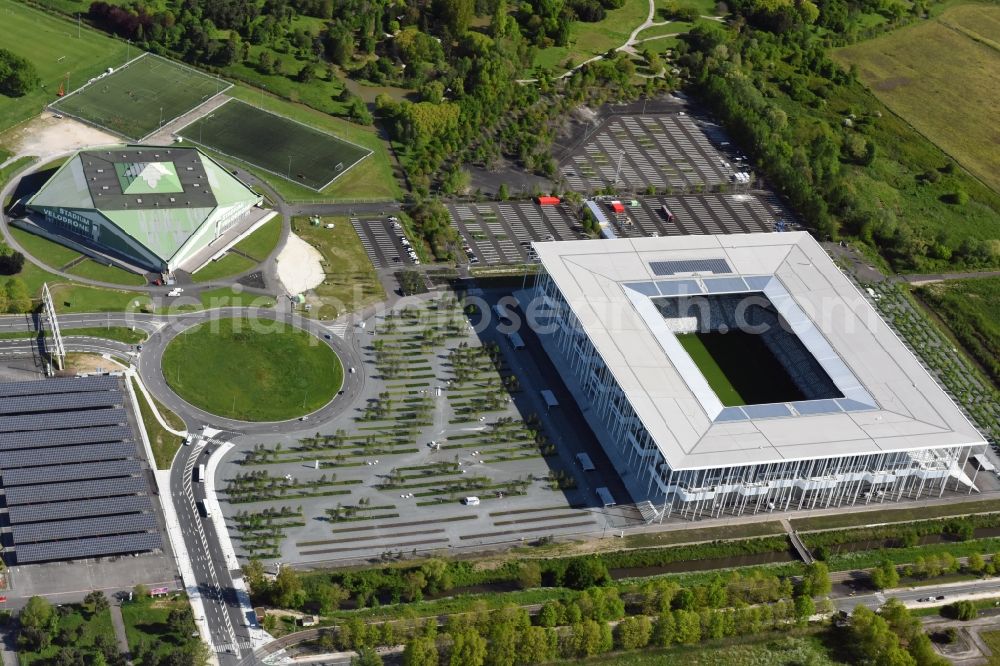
<point x="158" y="195"/>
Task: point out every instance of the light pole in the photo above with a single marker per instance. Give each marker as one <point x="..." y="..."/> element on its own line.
<point x="161" y="117"/>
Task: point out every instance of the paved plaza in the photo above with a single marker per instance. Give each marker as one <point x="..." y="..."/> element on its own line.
<point x="447" y="412"/>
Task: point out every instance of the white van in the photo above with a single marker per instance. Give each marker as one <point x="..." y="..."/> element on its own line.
<point x="471" y="501"/>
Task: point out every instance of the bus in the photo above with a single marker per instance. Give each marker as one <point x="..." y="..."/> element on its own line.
<point x="199" y="474"/>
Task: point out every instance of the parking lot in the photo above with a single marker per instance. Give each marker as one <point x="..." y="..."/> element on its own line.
<point x="447" y="415"/>
<point x="381" y="240"/>
<point x="636" y="152"/>
<point x="501" y="233"/>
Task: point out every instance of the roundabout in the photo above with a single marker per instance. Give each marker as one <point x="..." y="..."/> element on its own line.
<point x="252" y="369"/>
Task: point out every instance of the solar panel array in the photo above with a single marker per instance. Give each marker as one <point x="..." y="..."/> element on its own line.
<point x="59" y="385"/>
<point x="78" y="549"/>
<point x="59" y="402"/>
<point x="71" y="472"/>
<point x="55" y="492"/>
<point x="674" y="267"/>
<point x="96" y="417"/>
<point x="64" y="455"/>
<point x="29" y="476"/>
<point x="35" y="513"/>
<point x="84" y="527"/>
<point x="34" y="440"/>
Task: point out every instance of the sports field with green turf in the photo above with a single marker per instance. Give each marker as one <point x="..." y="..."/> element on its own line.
<point x="136" y="100"/>
<point x="252" y="370"/>
<point x="52" y="45"/>
<point x="279" y="145"/>
<point x="740" y="368"/>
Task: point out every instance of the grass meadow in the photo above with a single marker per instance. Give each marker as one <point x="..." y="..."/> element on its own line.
<point x="52" y="45"/>
<point x="943" y="77"/>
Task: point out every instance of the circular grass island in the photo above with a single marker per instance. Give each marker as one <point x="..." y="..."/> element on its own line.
<point x="252" y="370"/>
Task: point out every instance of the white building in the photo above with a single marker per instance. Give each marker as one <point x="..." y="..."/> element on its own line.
<point x="844" y="413"/>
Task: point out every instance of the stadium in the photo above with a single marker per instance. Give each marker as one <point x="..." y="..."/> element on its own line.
<point x="145" y="208"/>
<point x="744" y="373"/>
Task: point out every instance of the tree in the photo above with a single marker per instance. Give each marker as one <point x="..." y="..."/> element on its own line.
<point x="529" y="575"/>
<point x="468" y="648"/>
<point x="306" y="74"/>
<point x="633" y="632"/>
<point x="18" y="296"/>
<point x="11" y="262"/>
<point x="502" y="193"/>
<point x="367" y="657"/>
<point x="885" y="575"/>
<point x="584" y="572"/>
<point x="975" y="563"/>
<point x="18" y="75"/>
<point x="456" y="14"/>
<point x="288" y="591"/>
<point x="420" y="651"/>
<point x="816" y="580"/>
<point x="253" y="573"/>
<point x="181" y="620"/>
<point x="664" y="630"/>
<point x="96" y="601"/>
<point x="38" y="624"/>
<point x="804" y="608"/>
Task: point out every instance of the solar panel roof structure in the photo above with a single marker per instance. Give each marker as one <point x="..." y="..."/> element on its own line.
<point x="46" y="438"/>
<point x="58" y="385"/>
<point x="83" y="527"/>
<point x="27" y="476"/>
<point x="54" y="492"/>
<point x="55" y="511"/>
<point x="72" y="471"/>
<point x="64" y="455"/>
<point x="58" y="402"/>
<point x="90" y="547"/>
<point x="97" y="417"/>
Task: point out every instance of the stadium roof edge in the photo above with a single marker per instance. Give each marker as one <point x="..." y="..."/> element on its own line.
<point x="910" y="412"/>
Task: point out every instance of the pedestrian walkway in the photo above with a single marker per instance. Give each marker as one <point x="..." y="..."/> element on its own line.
<point x="797" y="542"/>
<point x="119" y="624"/>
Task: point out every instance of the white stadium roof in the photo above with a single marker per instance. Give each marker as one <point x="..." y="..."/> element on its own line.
<point x="890" y="402"/>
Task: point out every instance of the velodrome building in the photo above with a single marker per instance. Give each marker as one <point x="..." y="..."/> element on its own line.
<point x="151" y="208"/>
<point x="744" y="373"/>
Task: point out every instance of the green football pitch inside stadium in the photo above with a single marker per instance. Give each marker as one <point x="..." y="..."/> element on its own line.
<point x="274" y="143"/>
<point x="137" y="99"/>
<point x="740" y="368"/>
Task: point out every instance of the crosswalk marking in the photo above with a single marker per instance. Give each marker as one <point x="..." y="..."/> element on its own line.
<point x="225" y="647"/>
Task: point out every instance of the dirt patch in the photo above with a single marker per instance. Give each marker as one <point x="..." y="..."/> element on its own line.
<point x="83" y="363"/>
<point x="47" y="135"/>
<point x="300" y="266"/>
<point x="892" y="83"/>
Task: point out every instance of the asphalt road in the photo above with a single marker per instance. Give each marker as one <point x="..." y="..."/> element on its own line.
<point x="227" y="625"/>
<point x="950" y="592"/>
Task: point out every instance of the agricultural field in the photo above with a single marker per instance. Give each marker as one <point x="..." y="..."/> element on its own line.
<point x="54" y="47"/>
<point x="138" y="99"/>
<point x="278" y="145"/>
<point x="971" y="310"/>
<point x="922" y="72"/>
